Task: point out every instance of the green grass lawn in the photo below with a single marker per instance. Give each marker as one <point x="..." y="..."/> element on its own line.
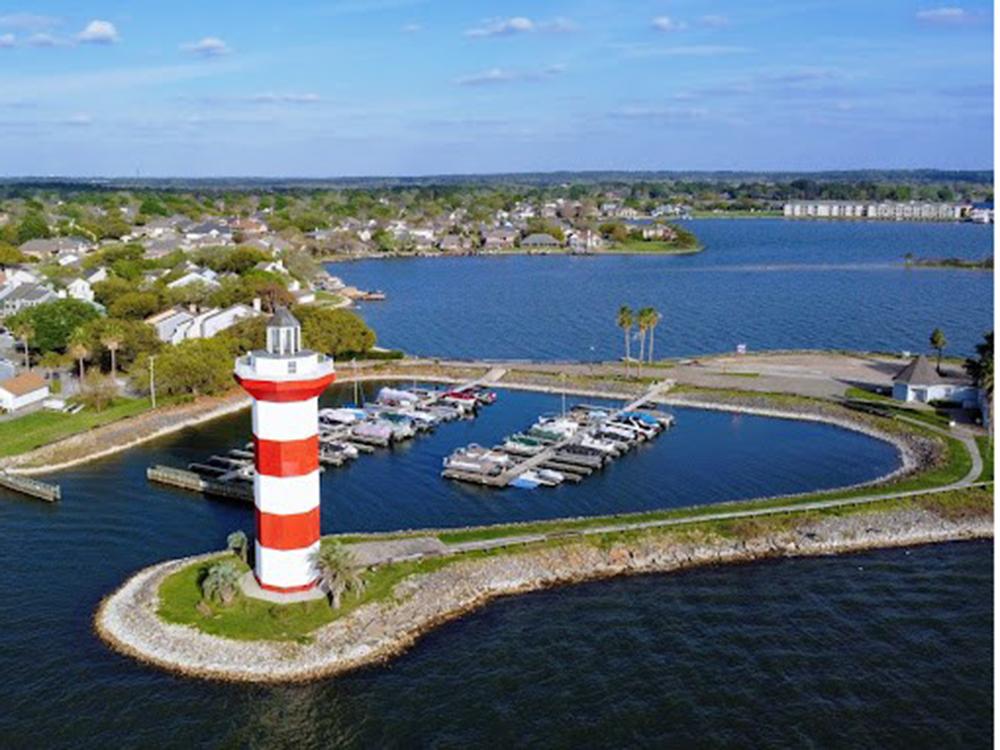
<point x="44" y="427"/>
<point x="934" y="418"/>
<point x="328" y="298"/>
<point x="652" y="246"/>
<point x="986" y="451"/>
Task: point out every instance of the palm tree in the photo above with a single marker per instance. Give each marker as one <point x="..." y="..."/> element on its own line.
<point x="237" y="543"/>
<point x="980" y="370"/>
<point x="221" y="582"/>
<point x="939" y="342"/>
<point x="339" y="572"/>
<point x="645" y="320"/>
<point x="25" y="330"/>
<point x="111" y="339"/>
<point x="79" y="349"/>
<point x="625" y="321"/>
<point x="652" y="332"/>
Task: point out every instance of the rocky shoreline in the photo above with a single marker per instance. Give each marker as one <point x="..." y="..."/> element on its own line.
<point x="127" y="619"/>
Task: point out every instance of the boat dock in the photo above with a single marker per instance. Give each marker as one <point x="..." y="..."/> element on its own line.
<point x="558" y="455"/>
<point x="30" y="487"/>
<point x="195" y="482"/>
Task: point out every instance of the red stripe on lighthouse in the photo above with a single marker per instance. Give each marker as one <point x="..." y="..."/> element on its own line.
<point x="288" y="532"/>
<point x="285" y="390"/>
<point x="286" y="458"/>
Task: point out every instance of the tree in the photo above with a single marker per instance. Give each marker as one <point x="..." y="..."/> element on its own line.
<point x="980" y="369"/>
<point x="33" y="227"/>
<point x="135" y="305"/>
<point x="50" y="362"/>
<point x="625" y="321"/>
<point x="195" y="367"/>
<point x="54" y="322"/>
<point x="644" y="319"/>
<point x="652" y="332"/>
<point x="111" y="339"/>
<point x="339" y="572"/>
<point x="221" y="582"/>
<point x="334" y="331"/>
<point x="238" y="544"/>
<point x="10" y="255"/>
<point x="938" y="342"/>
<point x="98" y="392"/>
<point x="23" y="328"/>
<point x="79" y="349"/>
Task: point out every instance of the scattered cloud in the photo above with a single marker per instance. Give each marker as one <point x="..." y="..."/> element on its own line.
<point x="669" y="114"/>
<point x="28" y="21"/>
<point x="209" y="46"/>
<point x="286" y="98"/>
<point x="80" y="119"/>
<point x="688" y="50"/>
<point x="411" y="28"/>
<point x="98" y="32"/>
<point x="950" y="15"/>
<point x="802" y="75"/>
<point x="509" y="75"/>
<point x="515" y="25"/>
<point x="7" y="41"/>
<point x="666" y="23"/>
<point x="714" y="21"/>
<point x="41" y="39"/>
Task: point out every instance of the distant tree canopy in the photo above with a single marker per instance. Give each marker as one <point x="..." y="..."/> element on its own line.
<point x="10" y="255"/>
<point x="32" y="227"/>
<point x="54" y="322"/>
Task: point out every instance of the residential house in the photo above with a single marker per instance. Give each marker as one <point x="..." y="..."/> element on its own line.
<point x="495" y="239"/>
<point x="22" y="390"/>
<point x="80" y="289"/>
<point x="215" y="231"/>
<point x="454" y="243"/>
<point x="45" y="249"/>
<point x="200" y="276"/>
<point x="176" y="324"/>
<point x="920" y="381"/>
<point x="540" y="240"/>
<point x="7" y="369"/>
<point x="24" y="296"/>
<point x="586" y="241"/>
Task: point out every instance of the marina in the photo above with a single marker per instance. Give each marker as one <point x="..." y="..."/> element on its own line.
<point x="557" y="449"/>
<point x="345" y="433"/>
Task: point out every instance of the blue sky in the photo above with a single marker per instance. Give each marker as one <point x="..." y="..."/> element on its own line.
<point x="364" y="87"/>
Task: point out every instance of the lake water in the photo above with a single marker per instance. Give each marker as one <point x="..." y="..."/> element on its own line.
<point x="57" y="561"/>
<point x="770" y="284"/>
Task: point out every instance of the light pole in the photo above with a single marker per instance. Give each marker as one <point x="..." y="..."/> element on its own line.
<point x="152" y="380"/>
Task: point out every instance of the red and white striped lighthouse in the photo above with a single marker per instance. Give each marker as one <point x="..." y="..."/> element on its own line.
<point x="285" y="382"/>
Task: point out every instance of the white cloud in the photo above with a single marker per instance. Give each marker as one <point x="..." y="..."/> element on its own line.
<point x="98" y="32"/>
<point x="7" y="41"/>
<point x="411" y="28"/>
<point x="559" y="25"/>
<point x="666" y="23"/>
<point x="273" y="98"/>
<point x="80" y="119"/>
<point x="674" y="114"/>
<point x="502" y="27"/>
<point x="714" y="21"/>
<point x="509" y="75"/>
<point x="42" y="40"/>
<point x="690" y="50"/>
<point x="945" y="15"/>
<point x="28" y="21"/>
<point x="209" y="46"/>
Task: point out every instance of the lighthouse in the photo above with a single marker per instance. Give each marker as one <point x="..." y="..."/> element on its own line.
<point x="285" y="382"/>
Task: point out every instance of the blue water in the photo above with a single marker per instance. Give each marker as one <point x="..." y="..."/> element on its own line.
<point x="770" y="284"/>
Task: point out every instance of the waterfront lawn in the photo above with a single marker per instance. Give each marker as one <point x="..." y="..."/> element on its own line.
<point x="653" y="246"/>
<point x="931" y="417"/>
<point x="43" y="427"/>
<point x="986" y="451"/>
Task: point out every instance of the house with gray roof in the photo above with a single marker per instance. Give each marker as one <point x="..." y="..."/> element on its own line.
<point x="920" y="382"/>
<point x="25" y="296"/>
<point x="540" y="239"/>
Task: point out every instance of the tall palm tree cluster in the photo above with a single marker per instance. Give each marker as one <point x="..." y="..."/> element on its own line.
<point x="645" y="320"/>
<point x="980" y="369"/>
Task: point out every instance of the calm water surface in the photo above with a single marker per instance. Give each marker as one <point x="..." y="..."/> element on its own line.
<point x="770" y="284"/>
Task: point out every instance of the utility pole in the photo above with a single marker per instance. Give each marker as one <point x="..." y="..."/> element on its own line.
<point x="152" y="381"/>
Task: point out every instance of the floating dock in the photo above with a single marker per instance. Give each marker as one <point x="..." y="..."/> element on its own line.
<point x="30" y="487"/>
<point x="194" y="482"/>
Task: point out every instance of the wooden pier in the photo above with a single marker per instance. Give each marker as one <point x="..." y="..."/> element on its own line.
<point x="30" y="487"/>
<point x="189" y="480"/>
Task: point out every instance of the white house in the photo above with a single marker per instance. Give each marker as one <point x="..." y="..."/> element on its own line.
<point x="167" y="322"/>
<point x="919" y="381"/>
<point x="203" y="276"/>
<point x="80" y="289"/>
<point x="22" y="390"/>
<point x="176" y="325"/>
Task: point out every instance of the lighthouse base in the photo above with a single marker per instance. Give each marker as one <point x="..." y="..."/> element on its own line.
<point x="250" y="587"/>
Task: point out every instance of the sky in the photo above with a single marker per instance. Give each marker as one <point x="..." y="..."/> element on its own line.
<point x="415" y="87"/>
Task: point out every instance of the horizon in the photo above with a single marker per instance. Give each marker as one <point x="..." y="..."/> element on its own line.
<point x="414" y="89"/>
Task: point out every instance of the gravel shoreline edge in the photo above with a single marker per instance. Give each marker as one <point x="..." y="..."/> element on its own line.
<point x="374" y="633"/>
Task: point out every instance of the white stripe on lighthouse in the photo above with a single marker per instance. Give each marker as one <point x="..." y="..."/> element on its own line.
<point x="286" y="496"/>
<point x="285" y="420"/>
<point x="286" y="568"/>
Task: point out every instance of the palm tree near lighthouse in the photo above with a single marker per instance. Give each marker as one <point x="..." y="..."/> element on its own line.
<point x="339" y="572"/>
<point x="652" y="332"/>
<point x="626" y="319"/>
